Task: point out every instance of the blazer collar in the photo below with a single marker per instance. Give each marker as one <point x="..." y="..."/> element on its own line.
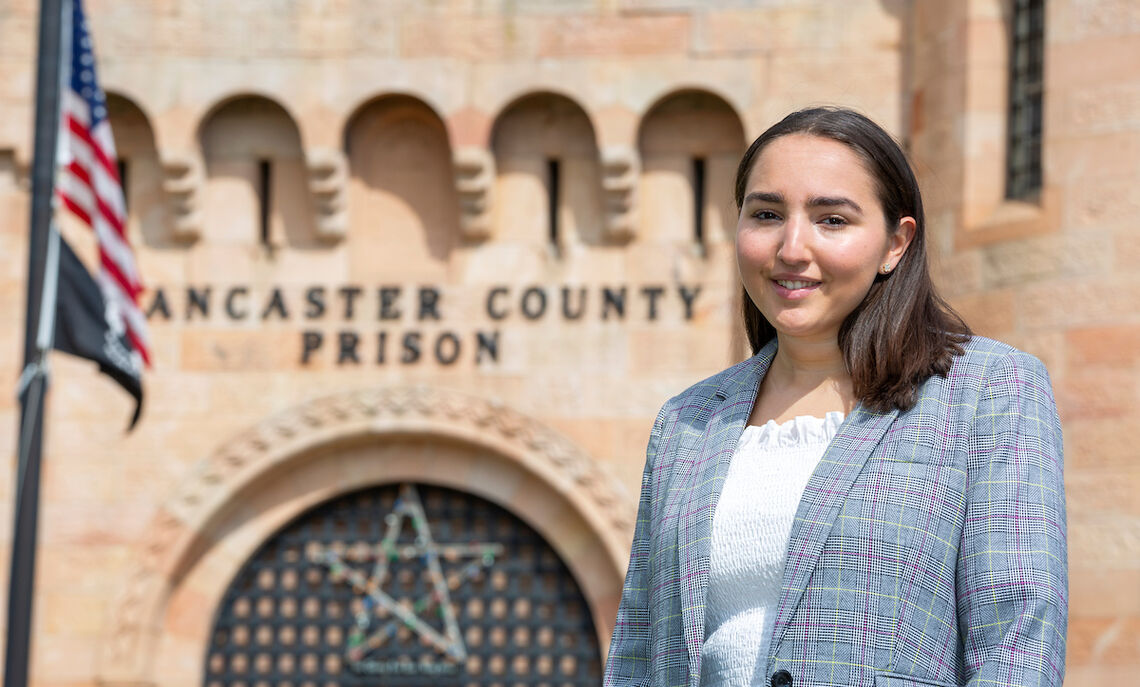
<point x="823" y="498"/>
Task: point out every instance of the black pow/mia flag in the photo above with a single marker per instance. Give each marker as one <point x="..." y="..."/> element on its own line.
<point x="84" y="327"/>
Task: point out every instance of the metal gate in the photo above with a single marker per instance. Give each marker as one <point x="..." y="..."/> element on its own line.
<point x="403" y="585"/>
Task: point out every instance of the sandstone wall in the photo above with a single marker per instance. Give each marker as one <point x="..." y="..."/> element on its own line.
<point x="1057" y="276"/>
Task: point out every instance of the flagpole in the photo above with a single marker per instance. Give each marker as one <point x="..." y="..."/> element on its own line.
<point x="50" y="72"/>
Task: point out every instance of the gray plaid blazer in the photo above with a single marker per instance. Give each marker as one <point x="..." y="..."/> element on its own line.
<point x="928" y="549"/>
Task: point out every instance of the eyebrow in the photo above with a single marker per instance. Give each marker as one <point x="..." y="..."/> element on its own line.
<point x="833" y="201"/>
<point x="765" y="197"/>
<point x="814" y="201"/>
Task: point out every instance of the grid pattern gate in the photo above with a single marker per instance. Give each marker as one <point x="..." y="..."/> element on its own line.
<point x="403" y="585"/>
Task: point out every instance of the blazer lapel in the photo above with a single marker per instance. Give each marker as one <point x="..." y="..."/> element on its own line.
<point x="822" y="500"/>
<point x="699" y="490"/>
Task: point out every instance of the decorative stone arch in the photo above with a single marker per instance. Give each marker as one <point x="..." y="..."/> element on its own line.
<point x="690" y="142"/>
<point x="512" y="100"/>
<point x="726" y="96"/>
<point x="225" y="99"/>
<point x="138" y="102"/>
<point x="426" y="100"/>
<point x="549" y="172"/>
<point x="257" y="482"/>
<point x="401" y="188"/>
<point x="249" y="142"/>
<point x="137" y="152"/>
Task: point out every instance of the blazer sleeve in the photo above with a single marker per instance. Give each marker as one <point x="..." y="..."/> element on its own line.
<point x="1012" y="573"/>
<point x="628" y="663"/>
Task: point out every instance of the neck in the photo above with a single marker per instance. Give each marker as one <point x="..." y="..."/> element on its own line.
<point x="807" y="377"/>
<point x="809" y="364"/>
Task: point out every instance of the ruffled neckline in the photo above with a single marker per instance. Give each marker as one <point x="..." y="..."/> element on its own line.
<point x="799" y="431"/>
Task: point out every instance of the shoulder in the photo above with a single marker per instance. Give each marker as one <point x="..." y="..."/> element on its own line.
<point x="989" y="363"/>
<point x="998" y="388"/>
<point x="986" y="375"/>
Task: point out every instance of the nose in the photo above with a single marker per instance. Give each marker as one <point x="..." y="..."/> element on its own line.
<point x="793" y="249"/>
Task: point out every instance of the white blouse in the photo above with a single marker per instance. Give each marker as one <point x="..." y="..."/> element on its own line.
<point x="753" y="520"/>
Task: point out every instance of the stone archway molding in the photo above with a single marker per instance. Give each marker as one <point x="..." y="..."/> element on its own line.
<point x="174" y="539"/>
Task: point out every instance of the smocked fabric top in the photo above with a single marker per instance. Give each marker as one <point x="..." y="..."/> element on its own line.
<point x="770" y="468"/>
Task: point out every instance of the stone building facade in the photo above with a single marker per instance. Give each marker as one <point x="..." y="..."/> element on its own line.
<point x="472" y="246"/>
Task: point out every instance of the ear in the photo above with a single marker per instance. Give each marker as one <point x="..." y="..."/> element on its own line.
<point x="900" y="240"/>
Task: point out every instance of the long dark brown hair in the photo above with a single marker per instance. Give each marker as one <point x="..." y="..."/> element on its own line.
<point x="903" y="332"/>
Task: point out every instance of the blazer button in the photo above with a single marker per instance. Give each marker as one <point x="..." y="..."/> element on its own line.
<point x="781" y="678"/>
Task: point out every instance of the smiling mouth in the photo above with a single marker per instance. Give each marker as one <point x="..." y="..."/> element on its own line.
<point x="794" y="285"/>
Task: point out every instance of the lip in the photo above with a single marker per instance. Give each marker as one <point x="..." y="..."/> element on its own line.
<point x="793" y="294"/>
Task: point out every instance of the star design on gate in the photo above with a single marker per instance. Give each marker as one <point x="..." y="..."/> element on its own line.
<point x="407" y="612"/>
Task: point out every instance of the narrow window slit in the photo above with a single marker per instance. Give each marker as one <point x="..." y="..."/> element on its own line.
<point x="699" y="200"/>
<point x="265" y="184"/>
<point x="123" y="171"/>
<point x="122" y="168"/>
<point x="553" y="191"/>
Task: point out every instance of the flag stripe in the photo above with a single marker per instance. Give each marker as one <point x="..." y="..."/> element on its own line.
<point x="105" y="260"/>
<point x="113" y="270"/>
<point x="76" y="106"/>
<point x="80" y="200"/>
<point x="83" y="135"/>
<point x="76" y="210"/>
<point x="139" y="345"/>
<point x="106" y="211"/>
<point x="106" y="186"/>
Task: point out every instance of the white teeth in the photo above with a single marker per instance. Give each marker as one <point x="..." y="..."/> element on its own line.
<point x="795" y="284"/>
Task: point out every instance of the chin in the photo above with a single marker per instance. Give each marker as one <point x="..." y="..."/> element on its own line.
<point x="804" y="330"/>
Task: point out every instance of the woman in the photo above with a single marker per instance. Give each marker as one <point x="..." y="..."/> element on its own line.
<point x="875" y="497"/>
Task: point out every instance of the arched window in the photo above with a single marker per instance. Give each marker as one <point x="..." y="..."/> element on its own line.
<point x="690" y="144"/>
<point x="139" y="171"/>
<point x="408" y="585"/>
<point x="404" y="209"/>
<point x="549" y="176"/>
<point x="257" y="188"/>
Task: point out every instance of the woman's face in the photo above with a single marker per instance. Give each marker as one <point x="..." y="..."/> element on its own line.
<point x="811" y="235"/>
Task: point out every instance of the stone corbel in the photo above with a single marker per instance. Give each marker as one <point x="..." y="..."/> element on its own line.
<point x="474" y="181"/>
<point x="184" y="178"/>
<point x="328" y="182"/>
<point x="621" y="167"/>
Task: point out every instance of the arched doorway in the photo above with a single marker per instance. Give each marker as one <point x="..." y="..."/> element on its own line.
<point x="260" y="481"/>
<point x="405" y="584"/>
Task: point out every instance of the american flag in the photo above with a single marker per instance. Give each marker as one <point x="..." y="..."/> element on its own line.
<point x="90" y="188"/>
